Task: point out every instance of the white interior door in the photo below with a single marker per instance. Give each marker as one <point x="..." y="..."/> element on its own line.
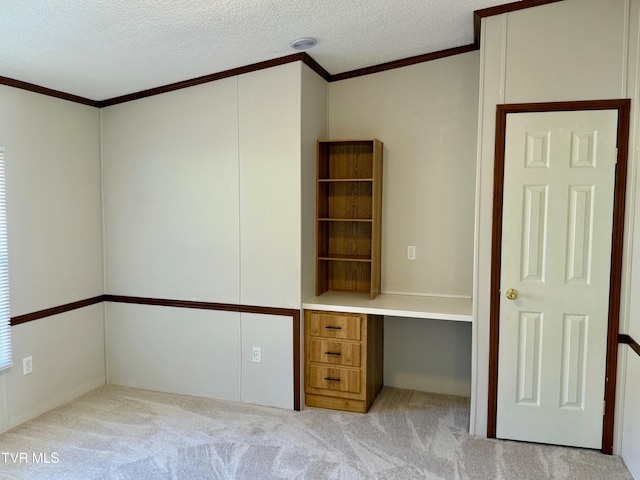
<point x="559" y="178"/>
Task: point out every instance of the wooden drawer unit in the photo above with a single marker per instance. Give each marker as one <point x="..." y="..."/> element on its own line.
<point x="335" y="353"/>
<point x="343" y="360"/>
<point x="334" y="325"/>
<point x="334" y="378"/>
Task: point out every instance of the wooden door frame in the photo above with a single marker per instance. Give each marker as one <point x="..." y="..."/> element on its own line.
<point x="623" y="106"/>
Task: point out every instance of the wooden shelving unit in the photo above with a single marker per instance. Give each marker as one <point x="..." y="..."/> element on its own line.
<point x="348" y="216"/>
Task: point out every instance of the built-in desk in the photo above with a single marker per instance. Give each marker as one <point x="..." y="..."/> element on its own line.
<point x="410" y="306"/>
<point x="344" y="343"/>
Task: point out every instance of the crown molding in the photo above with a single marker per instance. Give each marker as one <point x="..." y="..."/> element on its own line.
<point x="297" y="57"/>
<point x="478" y="15"/>
<point x="31" y="87"/>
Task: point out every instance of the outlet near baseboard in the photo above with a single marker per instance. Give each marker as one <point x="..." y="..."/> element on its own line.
<point x="27" y="365"/>
<point x="257" y="355"/>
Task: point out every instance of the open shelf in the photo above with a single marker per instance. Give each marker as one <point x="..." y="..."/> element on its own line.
<point x="346" y="159"/>
<point x="345" y="199"/>
<point x="344" y="239"/>
<point x="345" y="275"/>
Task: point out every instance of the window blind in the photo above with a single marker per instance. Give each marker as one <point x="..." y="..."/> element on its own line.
<point x="5" y="318"/>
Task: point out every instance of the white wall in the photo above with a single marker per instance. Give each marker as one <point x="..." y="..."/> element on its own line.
<point x="171" y="202"/>
<point x="52" y="161"/>
<point x="570" y="50"/>
<point x="272" y="378"/>
<point x="68" y="361"/>
<point x="315" y="126"/>
<point x="630" y="448"/>
<point x="428" y="355"/>
<point x="426" y="115"/>
<point x="202" y="198"/>
<point x="269" y="108"/>
<point x="188" y="351"/>
<point x="53" y="200"/>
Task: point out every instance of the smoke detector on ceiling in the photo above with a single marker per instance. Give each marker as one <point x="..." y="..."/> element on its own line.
<point x="303" y="43"/>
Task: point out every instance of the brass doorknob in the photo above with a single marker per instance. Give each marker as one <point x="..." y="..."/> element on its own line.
<point x="511" y="294"/>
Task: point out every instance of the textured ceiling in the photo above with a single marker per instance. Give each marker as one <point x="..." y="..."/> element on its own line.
<point x="101" y="49"/>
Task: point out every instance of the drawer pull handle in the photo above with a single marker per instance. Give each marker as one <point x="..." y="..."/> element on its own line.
<point x="337" y="354"/>
<point x="330" y="327"/>
<point x="331" y="379"/>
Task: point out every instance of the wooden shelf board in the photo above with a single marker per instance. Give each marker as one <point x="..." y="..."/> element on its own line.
<point x="334" y="180"/>
<point x="364" y="220"/>
<point x="345" y="258"/>
<point x="411" y="306"/>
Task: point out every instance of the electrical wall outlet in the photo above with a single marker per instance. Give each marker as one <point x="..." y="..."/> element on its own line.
<point x="411" y="252"/>
<point x="27" y="365"/>
<point x="257" y="355"/>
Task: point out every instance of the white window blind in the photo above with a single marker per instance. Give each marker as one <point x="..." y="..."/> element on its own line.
<point x="5" y="319"/>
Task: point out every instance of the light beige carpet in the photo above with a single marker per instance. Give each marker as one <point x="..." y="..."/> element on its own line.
<point x="125" y="433"/>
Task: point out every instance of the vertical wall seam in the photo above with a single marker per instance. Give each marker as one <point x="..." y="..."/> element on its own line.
<point x="239" y="184"/>
<point x="632" y="90"/>
<point x="476" y="246"/>
<point x="327" y="122"/>
<point x="474" y="287"/>
<point x="503" y="60"/>
<point x="301" y="67"/>
<point x="625" y="50"/>
<point x="104" y="243"/>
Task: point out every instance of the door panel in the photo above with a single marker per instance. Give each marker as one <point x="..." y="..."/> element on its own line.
<point x="559" y="178"/>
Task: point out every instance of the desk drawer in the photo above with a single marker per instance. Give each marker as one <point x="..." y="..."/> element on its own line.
<point x="337" y="353"/>
<point x="334" y="325"/>
<point x="334" y="378"/>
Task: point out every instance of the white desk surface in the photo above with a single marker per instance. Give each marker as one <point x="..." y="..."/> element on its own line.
<point x="412" y="306"/>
